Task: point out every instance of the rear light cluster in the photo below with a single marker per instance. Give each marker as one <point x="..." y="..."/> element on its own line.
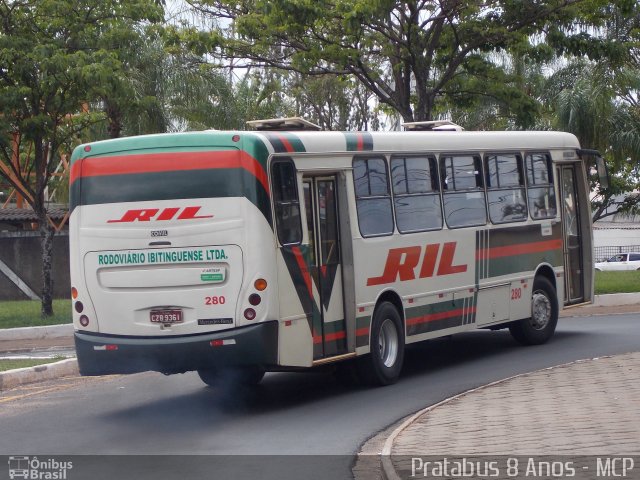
<point x="255" y="299"/>
<point x="79" y="307"/>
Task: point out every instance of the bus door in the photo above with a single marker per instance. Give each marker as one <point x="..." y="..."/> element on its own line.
<point x="321" y="207"/>
<point x="572" y="237"/>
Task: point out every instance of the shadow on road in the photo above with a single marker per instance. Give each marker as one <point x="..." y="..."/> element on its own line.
<point x="206" y="406"/>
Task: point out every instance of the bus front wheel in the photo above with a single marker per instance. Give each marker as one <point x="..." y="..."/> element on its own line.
<point x="383" y="364"/>
<point x="541" y="325"/>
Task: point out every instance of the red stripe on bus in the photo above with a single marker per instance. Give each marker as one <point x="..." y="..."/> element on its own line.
<point x="285" y="143"/>
<point x="360" y="138"/>
<point x="329" y="337"/>
<point x="168" y="162"/>
<point x="361" y="332"/>
<point x="432" y="317"/>
<point x="303" y="269"/>
<point x="522" y="248"/>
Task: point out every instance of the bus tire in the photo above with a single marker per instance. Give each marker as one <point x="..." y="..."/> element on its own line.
<point x="232" y="376"/>
<point x="540" y="327"/>
<point x="383" y="364"/>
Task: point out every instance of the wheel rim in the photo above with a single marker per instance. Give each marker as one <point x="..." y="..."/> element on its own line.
<point x="388" y="343"/>
<point x="540" y="310"/>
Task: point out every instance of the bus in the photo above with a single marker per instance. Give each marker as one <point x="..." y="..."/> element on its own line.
<point x="286" y="248"/>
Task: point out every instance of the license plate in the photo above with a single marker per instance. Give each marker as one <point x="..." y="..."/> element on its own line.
<point x="166" y="316"/>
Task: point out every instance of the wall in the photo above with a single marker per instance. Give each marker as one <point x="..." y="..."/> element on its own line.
<point x="20" y="251"/>
<point x="603" y="237"/>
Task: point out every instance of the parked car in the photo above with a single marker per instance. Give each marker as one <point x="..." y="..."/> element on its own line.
<point x="621" y="261"/>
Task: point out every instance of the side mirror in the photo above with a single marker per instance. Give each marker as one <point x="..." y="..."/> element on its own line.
<point x="601" y="166"/>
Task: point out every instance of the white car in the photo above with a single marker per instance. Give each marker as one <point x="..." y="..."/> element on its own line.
<point x="621" y="261"/>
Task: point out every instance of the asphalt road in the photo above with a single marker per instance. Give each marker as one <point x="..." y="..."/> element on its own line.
<point x="289" y="414"/>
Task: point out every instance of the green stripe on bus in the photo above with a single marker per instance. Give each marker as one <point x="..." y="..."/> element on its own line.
<point x="335" y="338"/>
<point x="169" y="142"/>
<point x="255" y="147"/>
<point x="283" y="142"/>
<point x="363" y="324"/>
<point x="522" y="263"/>
<point x="209" y="183"/>
<point x="445" y="314"/>
<point x="334" y="326"/>
<point x="358" y="141"/>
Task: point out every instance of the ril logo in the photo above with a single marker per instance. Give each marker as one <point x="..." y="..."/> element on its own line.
<point x="402" y="263"/>
<point x="155" y="214"/>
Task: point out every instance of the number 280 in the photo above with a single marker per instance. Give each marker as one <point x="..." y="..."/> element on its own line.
<point x="516" y="293"/>
<point x="214" y="300"/>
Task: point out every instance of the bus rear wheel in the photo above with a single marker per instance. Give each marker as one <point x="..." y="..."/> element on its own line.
<point x="383" y="364"/>
<point x="540" y="327"/>
<point x="232" y="376"/>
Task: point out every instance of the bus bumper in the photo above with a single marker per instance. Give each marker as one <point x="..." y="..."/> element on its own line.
<point x="100" y="354"/>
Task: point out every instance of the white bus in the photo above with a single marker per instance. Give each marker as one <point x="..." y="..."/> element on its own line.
<point x="271" y="250"/>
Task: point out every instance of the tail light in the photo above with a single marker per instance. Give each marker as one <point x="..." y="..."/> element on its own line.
<point x="254" y="299"/>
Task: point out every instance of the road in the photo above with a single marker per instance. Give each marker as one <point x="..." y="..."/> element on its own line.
<point x="289" y="414"/>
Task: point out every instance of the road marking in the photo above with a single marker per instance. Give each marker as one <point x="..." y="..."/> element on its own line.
<point x="54" y="388"/>
<point x="25" y="395"/>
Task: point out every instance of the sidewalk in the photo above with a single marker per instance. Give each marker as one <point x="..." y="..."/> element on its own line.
<point x="589" y="407"/>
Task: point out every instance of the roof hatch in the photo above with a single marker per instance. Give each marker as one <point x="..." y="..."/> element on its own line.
<point x="291" y="123"/>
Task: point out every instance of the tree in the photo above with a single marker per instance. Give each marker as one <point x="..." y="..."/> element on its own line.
<point x="333" y="102"/>
<point x="55" y="55"/>
<point x="588" y="99"/>
<point x="407" y="53"/>
<point x="597" y="100"/>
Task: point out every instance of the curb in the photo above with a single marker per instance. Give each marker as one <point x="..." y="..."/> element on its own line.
<point x="33" y="333"/>
<point x="389" y="471"/>
<point x="615" y="299"/>
<point x="49" y="371"/>
<point x="19" y="351"/>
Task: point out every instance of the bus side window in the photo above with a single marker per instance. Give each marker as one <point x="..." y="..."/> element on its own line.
<point x="505" y="188"/>
<point x="462" y="190"/>
<point x="542" y="199"/>
<point x="416" y="193"/>
<point x="373" y="200"/>
<point x="286" y="203"/>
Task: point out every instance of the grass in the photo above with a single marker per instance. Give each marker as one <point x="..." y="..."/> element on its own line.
<point x="26" y="313"/>
<point x="27" y="362"/>
<point x="617" y="282"/>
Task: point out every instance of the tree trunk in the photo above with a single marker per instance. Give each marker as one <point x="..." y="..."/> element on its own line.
<point x="114" y="118"/>
<point x="47" y="233"/>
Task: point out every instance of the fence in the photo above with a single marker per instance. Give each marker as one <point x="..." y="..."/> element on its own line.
<point x="602" y="253"/>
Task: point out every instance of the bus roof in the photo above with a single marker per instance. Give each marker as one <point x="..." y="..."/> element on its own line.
<point x="334" y="142"/>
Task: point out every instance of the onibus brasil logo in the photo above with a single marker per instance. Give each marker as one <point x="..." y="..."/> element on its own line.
<point x="38" y="469"/>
